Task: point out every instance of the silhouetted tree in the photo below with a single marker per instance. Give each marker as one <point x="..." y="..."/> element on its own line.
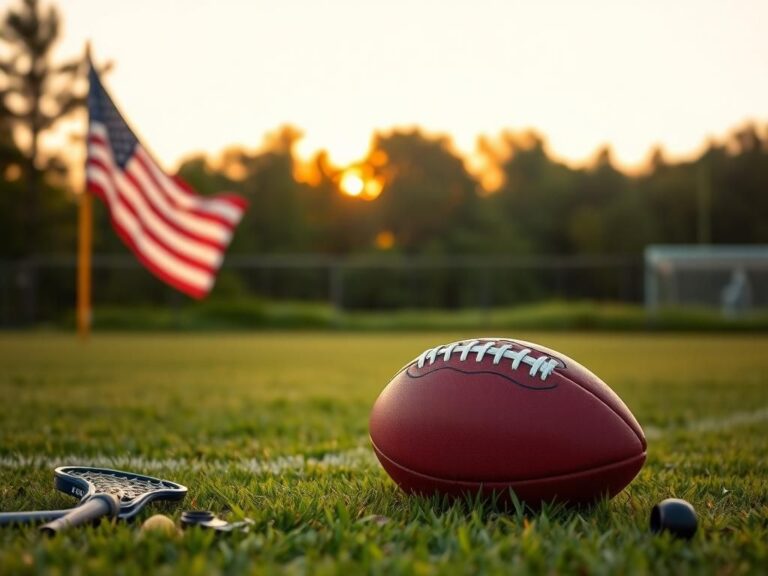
<point x="11" y="158"/>
<point x="11" y="194"/>
<point x="738" y="184"/>
<point x="537" y="194"/>
<point x="36" y="93"/>
<point x="427" y="189"/>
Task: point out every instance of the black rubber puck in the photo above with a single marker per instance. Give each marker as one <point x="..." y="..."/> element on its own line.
<point x="675" y="516"/>
<point x="192" y="517"/>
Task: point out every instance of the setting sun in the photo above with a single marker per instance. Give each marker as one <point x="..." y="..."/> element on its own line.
<point x="352" y="183"/>
<point x="356" y="182"/>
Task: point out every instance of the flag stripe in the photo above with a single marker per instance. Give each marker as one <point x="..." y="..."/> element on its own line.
<point x="218" y="233"/>
<point x="196" y="290"/>
<point x="143" y="243"/>
<point x="222" y="208"/>
<point x="168" y="220"/>
<point x="129" y="194"/>
<point x="163" y="185"/>
<point x="238" y="202"/>
<point x="116" y="190"/>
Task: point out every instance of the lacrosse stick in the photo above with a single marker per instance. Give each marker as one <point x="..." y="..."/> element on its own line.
<point x="102" y="492"/>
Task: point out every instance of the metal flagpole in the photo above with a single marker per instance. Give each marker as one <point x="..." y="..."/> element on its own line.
<point x="85" y="233"/>
<point x="84" y="242"/>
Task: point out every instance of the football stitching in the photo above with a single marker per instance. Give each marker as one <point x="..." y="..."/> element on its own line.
<point x="544" y="365"/>
<point x="489" y="372"/>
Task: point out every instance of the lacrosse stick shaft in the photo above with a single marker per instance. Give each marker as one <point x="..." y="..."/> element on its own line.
<point x="32" y="516"/>
<point x="98" y="506"/>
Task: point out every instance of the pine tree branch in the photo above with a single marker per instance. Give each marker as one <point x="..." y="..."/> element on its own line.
<point x="71" y="68"/>
<point x="106" y="68"/>
<point x="8" y="112"/>
<point x="8" y="67"/>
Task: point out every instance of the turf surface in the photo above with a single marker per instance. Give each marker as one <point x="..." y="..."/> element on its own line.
<point x="274" y="427"/>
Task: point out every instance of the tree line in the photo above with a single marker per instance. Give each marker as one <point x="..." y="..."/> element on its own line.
<point x="430" y="203"/>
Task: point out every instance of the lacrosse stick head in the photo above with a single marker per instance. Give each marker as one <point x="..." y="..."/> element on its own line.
<point x="133" y="490"/>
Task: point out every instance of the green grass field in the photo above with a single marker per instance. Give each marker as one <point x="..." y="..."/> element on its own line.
<point x="273" y="426"/>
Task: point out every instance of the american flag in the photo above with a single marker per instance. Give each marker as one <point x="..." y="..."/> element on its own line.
<point x="175" y="233"/>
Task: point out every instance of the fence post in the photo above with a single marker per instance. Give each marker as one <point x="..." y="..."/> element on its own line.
<point x="5" y="293"/>
<point x="336" y="286"/>
<point x="26" y="279"/>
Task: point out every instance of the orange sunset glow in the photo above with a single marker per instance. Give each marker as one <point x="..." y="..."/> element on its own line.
<point x="355" y="183"/>
<point x="352" y="183"/>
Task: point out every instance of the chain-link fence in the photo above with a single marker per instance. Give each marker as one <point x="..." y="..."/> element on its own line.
<point x="42" y="289"/>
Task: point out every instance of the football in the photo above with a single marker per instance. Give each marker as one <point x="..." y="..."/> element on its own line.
<point x="494" y="414"/>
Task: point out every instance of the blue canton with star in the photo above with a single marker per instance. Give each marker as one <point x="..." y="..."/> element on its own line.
<point x="102" y="109"/>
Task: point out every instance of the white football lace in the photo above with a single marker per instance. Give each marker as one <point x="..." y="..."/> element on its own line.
<point x="543" y="365"/>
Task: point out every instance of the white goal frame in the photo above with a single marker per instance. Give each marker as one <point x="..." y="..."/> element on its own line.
<point x="736" y="277"/>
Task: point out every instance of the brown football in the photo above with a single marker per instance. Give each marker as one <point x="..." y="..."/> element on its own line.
<point x="495" y="414"/>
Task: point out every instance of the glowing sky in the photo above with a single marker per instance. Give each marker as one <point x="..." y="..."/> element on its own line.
<point x="200" y="75"/>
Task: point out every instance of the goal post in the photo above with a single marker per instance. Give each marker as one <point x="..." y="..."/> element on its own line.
<point x="731" y="278"/>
